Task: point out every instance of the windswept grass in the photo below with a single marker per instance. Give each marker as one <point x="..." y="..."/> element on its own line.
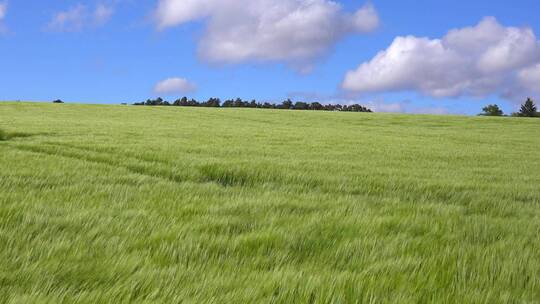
<point x="117" y="204"/>
<point x="9" y="135"/>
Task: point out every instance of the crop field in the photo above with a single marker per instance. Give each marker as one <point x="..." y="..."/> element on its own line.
<point x="124" y="204"/>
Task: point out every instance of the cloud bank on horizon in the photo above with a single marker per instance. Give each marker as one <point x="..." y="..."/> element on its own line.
<point x="474" y="61"/>
<point x="293" y="31"/>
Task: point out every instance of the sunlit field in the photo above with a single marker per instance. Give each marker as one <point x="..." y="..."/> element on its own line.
<point x="119" y="204"/>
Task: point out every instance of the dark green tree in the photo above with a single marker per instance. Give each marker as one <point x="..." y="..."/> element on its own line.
<point x="301" y="106"/>
<point x="528" y="109"/>
<point x="193" y="103"/>
<point x="492" y="110"/>
<point x="181" y="102"/>
<point x="212" y="102"/>
<point x="229" y="103"/>
<point x="316" y="106"/>
<point x="239" y="103"/>
<point x="287" y="104"/>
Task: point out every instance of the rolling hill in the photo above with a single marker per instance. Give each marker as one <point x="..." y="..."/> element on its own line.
<point x="102" y="203"/>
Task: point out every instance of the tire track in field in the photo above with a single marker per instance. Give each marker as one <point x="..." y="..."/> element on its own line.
<point x="60" y="151"/>
<point x="230" y="178"/>
<point x="222" y="176"/>
<point x="107" y="151"/>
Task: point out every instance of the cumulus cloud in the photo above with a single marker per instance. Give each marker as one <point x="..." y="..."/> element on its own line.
<point x="80" y="17"/>
<point x="529" y="78"/>
<point x="174" y="85"/>
<point x="475" y="61"/>
<point x="292" y="31"/>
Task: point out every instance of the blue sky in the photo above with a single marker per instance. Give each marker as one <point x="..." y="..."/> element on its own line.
<point x="119" y="51"/>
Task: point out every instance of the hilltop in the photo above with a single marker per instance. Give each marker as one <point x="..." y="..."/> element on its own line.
<point x="131" y="204"/>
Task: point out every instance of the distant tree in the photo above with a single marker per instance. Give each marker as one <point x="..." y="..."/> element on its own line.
<point x="287" y="104"/>
<point x="239" y="103"/>
<point x="156" y="102"/>
<point x="354" y="108"/>
<point x="301" y="106"/>
<point x="58" y="101"/>
<point x="194" y="103"/>
<point x="229" y="103"/>
<point x="492" y="110"/>
<point x="528" y="109"/>
<point x="316" y="106"/>
<point x="357" y="108"/>
<point x="212" y="102"/>
<point x="181" y="102"/>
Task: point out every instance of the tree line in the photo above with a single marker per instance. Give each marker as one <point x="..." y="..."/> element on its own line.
<point x="528" y="109"/>
<point x="239" y="103"/>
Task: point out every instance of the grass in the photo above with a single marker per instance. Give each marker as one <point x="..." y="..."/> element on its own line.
<point x="119" y="204"/>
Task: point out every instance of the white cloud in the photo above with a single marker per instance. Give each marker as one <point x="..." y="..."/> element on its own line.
<point x="3" y="13"/>
<point x="366" y="19"/>
<point x="174" y="86"/>
<point x="292" y="31"/>
<point x="474" y="61"/>
<point x="529" y="78"/>
<point x="103" y="14"/>
<point x="70" y="20"/>
<point x="3" y="10"/>
<point x="80" y="17"/>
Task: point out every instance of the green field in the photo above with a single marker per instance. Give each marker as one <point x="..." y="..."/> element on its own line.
<point x="118" y="204"/>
